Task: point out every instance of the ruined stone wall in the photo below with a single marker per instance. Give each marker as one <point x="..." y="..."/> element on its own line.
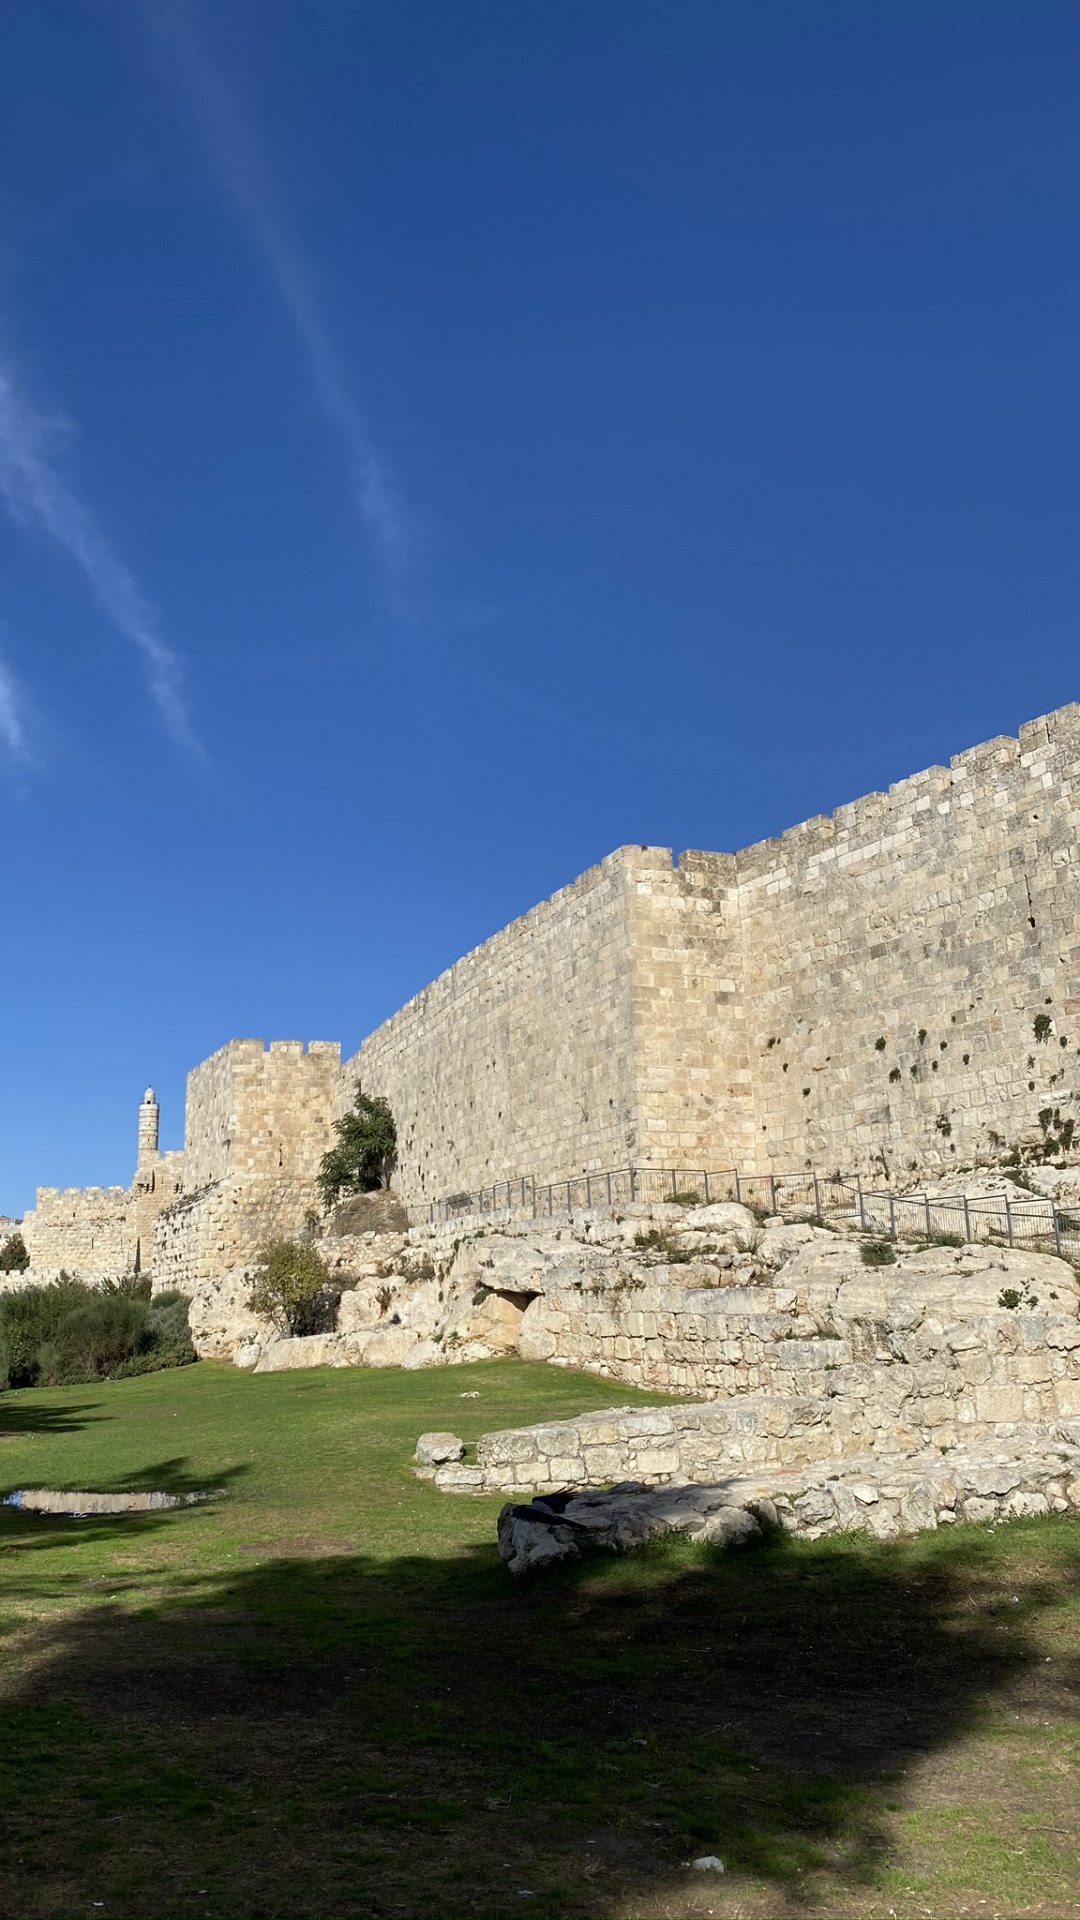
<point x="521" y="1057"/>
<point x="942" y="919"/>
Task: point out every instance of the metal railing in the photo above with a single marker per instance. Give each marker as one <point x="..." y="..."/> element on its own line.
<point x="1029" y="1222"/>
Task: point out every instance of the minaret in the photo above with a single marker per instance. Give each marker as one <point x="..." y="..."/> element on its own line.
<point x="148" y="1130"/>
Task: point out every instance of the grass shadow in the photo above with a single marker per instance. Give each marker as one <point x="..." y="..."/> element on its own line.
<point x="418" y="1736"/>
<point x="32" y="1415"/>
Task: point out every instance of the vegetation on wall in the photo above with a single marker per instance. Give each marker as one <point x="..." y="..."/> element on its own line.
<point x="69" y="1334"/>
<point x="364" y="1156"/>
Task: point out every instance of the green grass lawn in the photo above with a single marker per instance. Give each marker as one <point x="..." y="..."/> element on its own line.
<point x="320" y="1694"/>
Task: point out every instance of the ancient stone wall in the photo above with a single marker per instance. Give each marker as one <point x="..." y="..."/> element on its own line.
<point x="89" y="1231"/>
<point x="220" y="1228"/>
<point x="520" y="1057"/>
<point x="692" y="1081"/>
<point x="255" y="1111"/>
<point x="256" y="1125"/>
<point x="257" y="1122"/>
<point x="100" y="1232"/>
<point x="897" y="985"/>
<point x="897" y="956"/>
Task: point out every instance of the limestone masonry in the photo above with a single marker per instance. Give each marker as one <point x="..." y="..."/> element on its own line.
<point x="892" y="988"/>
<point x="861" y="993"/>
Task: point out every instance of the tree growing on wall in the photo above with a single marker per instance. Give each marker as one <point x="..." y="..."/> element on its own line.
<point x="364" y="1155"/>
<point x="292" y="1289"/>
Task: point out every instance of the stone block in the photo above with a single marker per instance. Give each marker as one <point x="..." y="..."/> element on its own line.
<point x="996" y="1404"/>
<point x="438" y="1449"/>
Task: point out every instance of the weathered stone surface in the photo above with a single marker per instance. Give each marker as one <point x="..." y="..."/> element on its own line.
<point x="221" y="1320"/>
<point x="378" y="1212"/>
<point x="623" y="1518"/>
<point x="436" y="1449"/>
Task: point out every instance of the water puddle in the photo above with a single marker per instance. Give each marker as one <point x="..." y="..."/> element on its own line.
<point x="80" y="1505"/>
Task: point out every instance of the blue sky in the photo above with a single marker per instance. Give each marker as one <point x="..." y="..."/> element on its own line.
<point x="439" y="444"/>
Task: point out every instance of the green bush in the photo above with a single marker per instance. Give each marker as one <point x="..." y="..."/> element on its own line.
<point x="27" y="1320"/>
<point x="292" y="1289"/>
<point x="13" y="1255"/>
<point x="69" y="1334"/>
<point x="91" y="1340"/>
<point x="364" y="1155"/>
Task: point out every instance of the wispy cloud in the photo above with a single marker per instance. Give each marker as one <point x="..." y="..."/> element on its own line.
<point x="239" y="164"/>
<point x="12" y="725"/>
<point x="36" y="493"/>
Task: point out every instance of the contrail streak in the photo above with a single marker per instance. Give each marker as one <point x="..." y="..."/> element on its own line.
<point x="35" y="492"/>
<point x="240" y="166"/>
<point x="12" y="730"/>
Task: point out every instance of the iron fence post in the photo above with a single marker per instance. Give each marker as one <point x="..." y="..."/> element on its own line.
<point x="892" y="1218"/>
<point x="862" y="1208"/>
<point x="1008" y="1219"/>
<point x="1057" y="1226"/>
<point x="633" y="1183"/>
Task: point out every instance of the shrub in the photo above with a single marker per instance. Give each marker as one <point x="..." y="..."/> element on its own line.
<point x="130" y="1286"/>
<point x="27" y="1320"/>
<point x="878" y="1253"/>
<point x="68" y="1334"/>
<point x="292" y="1289"/>
<point x="13" y="1255"/>
<point x="364" y="1155"/>
<point x="92" y="1339"/>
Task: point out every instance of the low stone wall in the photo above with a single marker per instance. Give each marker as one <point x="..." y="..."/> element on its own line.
<point x="977" y="1485"/>
<point x="884" y="1494"/>
<point x="699" y="1442"/>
